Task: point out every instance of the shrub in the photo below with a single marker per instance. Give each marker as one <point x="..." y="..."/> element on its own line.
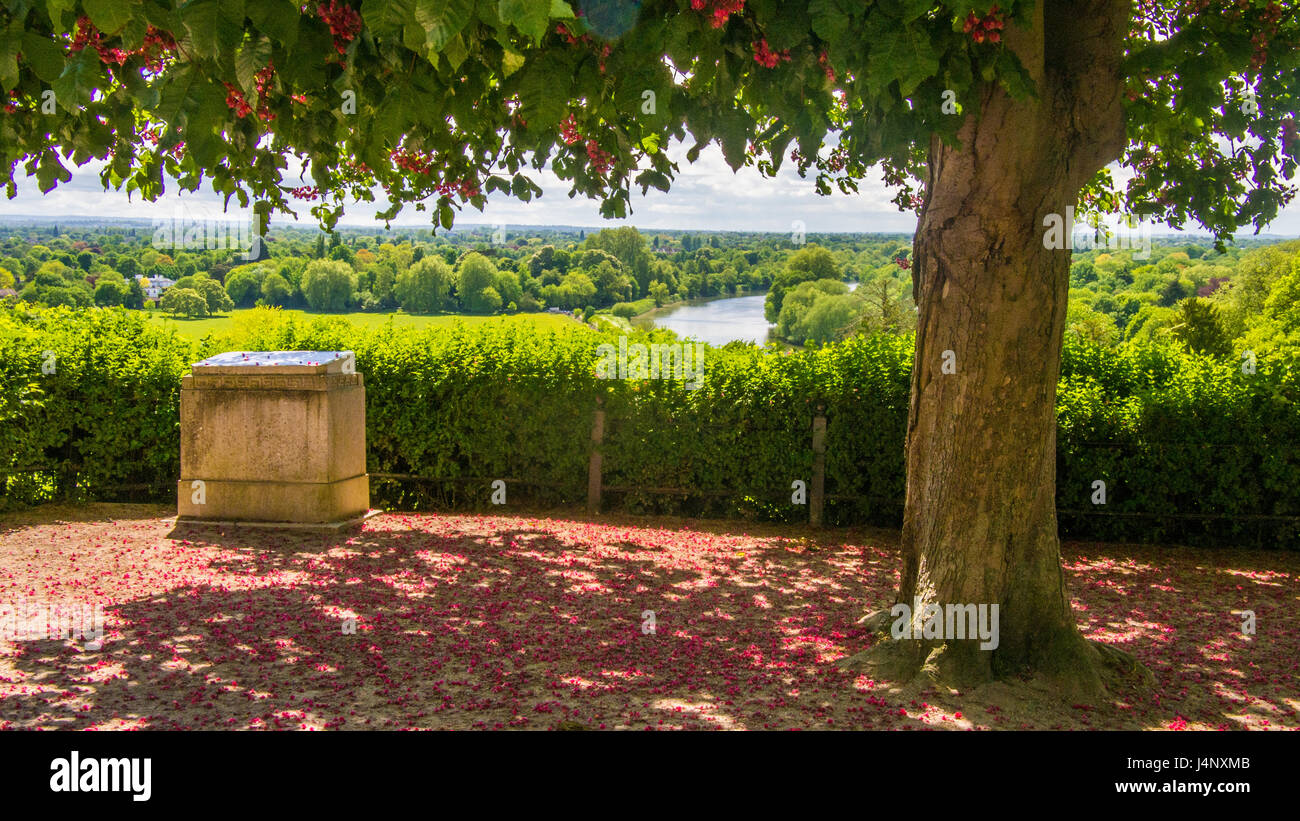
<point x="328" y="285"/>
<point x="177" y="300"/>
<point x="1167" y="430"/>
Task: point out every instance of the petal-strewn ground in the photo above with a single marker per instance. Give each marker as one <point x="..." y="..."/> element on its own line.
<point x="499" y="622"/>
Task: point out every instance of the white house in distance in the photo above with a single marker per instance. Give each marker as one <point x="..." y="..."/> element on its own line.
<point x="154" y="287"/>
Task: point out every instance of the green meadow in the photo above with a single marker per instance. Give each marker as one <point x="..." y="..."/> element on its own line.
<point x="199" y="328"/>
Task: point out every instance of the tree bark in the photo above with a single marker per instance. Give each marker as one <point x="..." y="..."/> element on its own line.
<point x="980" y="517"/>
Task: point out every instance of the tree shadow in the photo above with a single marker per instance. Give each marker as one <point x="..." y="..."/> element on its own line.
<point x="424" y="621"/>
<point x="515" y="628"/>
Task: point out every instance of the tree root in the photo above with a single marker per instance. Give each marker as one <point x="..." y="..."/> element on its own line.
<point x="1068" y="666"/>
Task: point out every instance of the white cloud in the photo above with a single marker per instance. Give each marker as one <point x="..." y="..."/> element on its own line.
<point x="706" y="195"/>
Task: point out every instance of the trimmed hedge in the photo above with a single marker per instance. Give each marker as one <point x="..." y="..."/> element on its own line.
<point x="1168" y="432"/>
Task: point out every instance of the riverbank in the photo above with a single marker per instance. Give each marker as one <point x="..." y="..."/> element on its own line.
<point x="717" y="321"/>
<point x="683" y="303"/>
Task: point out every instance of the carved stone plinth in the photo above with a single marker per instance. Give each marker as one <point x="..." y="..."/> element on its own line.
<point x="276" y="437"/>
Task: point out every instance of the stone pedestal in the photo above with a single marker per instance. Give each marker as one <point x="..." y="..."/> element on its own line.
<point x="273" y="437"/>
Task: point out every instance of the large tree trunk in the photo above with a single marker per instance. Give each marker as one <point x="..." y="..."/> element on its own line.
<point x="980" y="518"/>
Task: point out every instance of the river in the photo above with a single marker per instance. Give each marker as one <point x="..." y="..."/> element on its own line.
<point x="715" y="321"/>
<point x="718" y="321"/>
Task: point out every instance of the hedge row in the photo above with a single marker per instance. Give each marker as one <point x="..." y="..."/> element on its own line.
<point x="1169" y="433"/>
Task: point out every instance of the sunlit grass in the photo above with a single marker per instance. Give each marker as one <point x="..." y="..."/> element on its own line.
<point x="199" y="328"/>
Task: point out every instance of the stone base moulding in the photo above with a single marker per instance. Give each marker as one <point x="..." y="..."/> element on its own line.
<point x="307" y="502"/>
<point x="184" y="524"/>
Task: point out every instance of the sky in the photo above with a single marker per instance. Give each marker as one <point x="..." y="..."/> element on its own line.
<point x="706" y="195"/>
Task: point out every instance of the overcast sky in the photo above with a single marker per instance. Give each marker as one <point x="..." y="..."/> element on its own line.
<point x="707" y="195"/>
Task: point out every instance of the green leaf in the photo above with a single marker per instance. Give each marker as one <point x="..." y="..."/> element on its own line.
<point x="176" y="92"/>
<point x="785" y="25"/>
<point x="10" y="45"/>
<point x="45" y="58"/>
<point x="561" y="10"/>
<point x="828" y="21"/>
<point x="1014" y="78"/>
<point x="251" y="58"/>
<point x="51" y="172"/>
<point x="110" y="15"/>
<point x="904" y="55"/>
<point x="544" y="89"/>
<point x="278" y="19"/>
<point x="910" y="10"/>
<point x="56" y="8"/>
<point x="511" y="62"/>
<point x="454" y="51"/>
<point x="200" y="19"/>
<point x="733" y="137"/>
<point x="441" y="20"/>
<point x="445" y="215"/>
<point x="529" y="16"/>
<point x="384" y="17"/>
<point x="81" y="75"/>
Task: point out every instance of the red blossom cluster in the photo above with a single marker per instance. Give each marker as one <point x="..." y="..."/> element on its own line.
<point x="263" y="79"/>
<point x="154" y="48"/>
<point x="237" y="101"/>
<point x="989" y="27"/>
<point x="467" y="189"/>
<point x="825" y="63"/>
<point x="903" y="262"/>
<point x="563" y="31"/>
<point x="602" y="161"/>
<point x="306" y="192"/>
<point x="416" y="162"/>
<point x="1259" y="40"/>
<point x="584" y="39"/>
<point x="719" y="10"/>
<point x="12" y="105"/>
<point x="155" y="135"/>
<point x="764" y="56"/>
<point x="421" y="162"/>
<point x="569" y="131"/>
<point x="344" y="23"/>
<point x="1291" y="137"/>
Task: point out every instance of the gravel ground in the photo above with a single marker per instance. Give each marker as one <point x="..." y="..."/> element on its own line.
<point x="426" y="621"/>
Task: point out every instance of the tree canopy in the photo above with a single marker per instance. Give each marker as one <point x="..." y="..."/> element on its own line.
<point x="227" y="92"/>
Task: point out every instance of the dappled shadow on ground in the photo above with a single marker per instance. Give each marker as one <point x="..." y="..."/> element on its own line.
<point x="428" y="621"/>
<point x="103" y="513"/>
<point x="1183" y="612"/>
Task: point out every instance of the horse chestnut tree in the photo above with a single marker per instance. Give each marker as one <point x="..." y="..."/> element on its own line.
<point x="989" y="117"/>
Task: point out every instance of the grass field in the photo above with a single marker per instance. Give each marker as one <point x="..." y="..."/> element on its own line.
<point x="199" y="328"/>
